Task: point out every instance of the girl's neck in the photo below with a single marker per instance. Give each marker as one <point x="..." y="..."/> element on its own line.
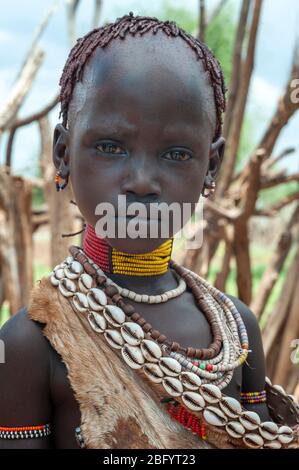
<point x="114" y="262"/>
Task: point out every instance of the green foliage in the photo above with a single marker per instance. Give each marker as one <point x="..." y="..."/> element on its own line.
<point x="182" y="16"/>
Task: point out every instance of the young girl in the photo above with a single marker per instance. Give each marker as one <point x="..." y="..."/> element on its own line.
<point x="120" y="347"/>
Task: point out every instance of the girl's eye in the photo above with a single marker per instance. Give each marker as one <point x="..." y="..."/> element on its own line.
<point x="109" y="147"/>
<point x="177" y="155"/>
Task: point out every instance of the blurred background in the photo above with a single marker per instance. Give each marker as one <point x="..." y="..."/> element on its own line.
<point x="251" y="224"/>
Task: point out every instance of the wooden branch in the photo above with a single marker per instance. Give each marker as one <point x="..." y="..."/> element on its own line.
<point x="271" y="161"/>
<point x="267" y="164"/>
<point x="221" y="277"/>
<point x="229" y="214"/>
<point x="9" y="148"/>
<point x="236" y="67"/>
<point x="273" y="210"/>
<point x="285" y="109"/>
<point x="271" y="274"/>
<point x="275" y="322"/>
<point x="202" y="20"/>
<point x="290" y="332"/>
<point x="24" y="122"/>
<point x="21" y="89"/>
<point x="252" y="185"/>
<point x="243" y="264"/>
<point x="280" y="179"/>
<point x="232" y="144"/>
<point x="15" y="238"/>
<point x="37" y="114"/>
<point x="26" y="74"/>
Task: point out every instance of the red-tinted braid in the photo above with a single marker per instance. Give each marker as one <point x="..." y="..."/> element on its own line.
<point x="128" y="24"/>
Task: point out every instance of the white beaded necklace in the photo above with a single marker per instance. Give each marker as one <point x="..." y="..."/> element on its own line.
<point x="144" y="298"/>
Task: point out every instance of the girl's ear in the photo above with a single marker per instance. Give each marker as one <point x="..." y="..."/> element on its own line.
<point x="61" y="155"/>
<point x="216" y="157"/>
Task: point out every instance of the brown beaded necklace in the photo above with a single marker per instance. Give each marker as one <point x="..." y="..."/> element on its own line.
<point x="115" y="298"/>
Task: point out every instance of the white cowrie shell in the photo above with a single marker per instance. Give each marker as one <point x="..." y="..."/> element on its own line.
<point x="193" y="401"/>
<point x="132" y="333"/>
<point x="74" y="270"/>
<point x="96" y="299"/>
<point x="285" y="434"/>
<point x="268" y="381"/>
<point x="211" y="393"/>
<point x="170" y="366"/>
<point x="151" y="350"/>
<point x="172" y="386"/>
<point x="77" y="267"/>
<point x="97" y="322"/>
<point x="114" y="338"/>
<point x="293" y="398"/>
<point x="100" y="321"/>
<point x="54" y="280"/>
<point x="214" y="416"/>
<point x="59" y="266"/>
<point x="269" y="430"/>
<point x="153" y="372"/>
<point x="85" y="282"/>
<point x="250" y="420"/>
<point x="279" y="389"/>
<point x="273" y="445"/>
<point x="132" y="355"/>
<point x="80" y="302"/>
<point x="114" y="315"/>
<point x="235" y="429"/>
<point x="190" y="380"/>
<point x="254" y="441"/>
<point x="67" y="287"/>
<point x="231" y="407"/>
<point x="59" y="273"/>
<point x="69" y="274"/>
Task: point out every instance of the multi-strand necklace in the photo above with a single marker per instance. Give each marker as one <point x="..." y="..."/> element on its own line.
<point x="229" y="347"/>
<point x="194" y="377"/>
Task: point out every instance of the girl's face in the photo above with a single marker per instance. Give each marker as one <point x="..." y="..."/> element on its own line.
<point x="141" y="125"/>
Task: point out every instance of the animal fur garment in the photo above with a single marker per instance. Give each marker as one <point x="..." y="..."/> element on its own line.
<point x="119" y="410"/>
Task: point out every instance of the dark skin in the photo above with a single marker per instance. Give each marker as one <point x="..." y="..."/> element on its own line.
<point x="147" y="106"/>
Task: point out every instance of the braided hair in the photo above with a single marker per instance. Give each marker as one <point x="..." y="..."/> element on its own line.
<point x="128" y="24"/>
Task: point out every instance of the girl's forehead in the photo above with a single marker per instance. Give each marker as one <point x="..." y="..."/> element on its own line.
<point x="147" y="72"/>
<point x="133" y="55"/>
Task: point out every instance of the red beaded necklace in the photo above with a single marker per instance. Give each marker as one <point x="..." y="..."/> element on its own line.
<point x="113" y="261"/>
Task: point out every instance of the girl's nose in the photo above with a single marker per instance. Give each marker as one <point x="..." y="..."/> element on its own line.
<point x="141" y="177"/>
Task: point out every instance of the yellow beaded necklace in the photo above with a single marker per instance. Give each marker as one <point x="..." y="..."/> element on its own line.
<point x="113" y="261"/>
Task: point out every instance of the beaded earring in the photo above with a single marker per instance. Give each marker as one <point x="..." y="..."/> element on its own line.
<point x="59" y="179"/>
